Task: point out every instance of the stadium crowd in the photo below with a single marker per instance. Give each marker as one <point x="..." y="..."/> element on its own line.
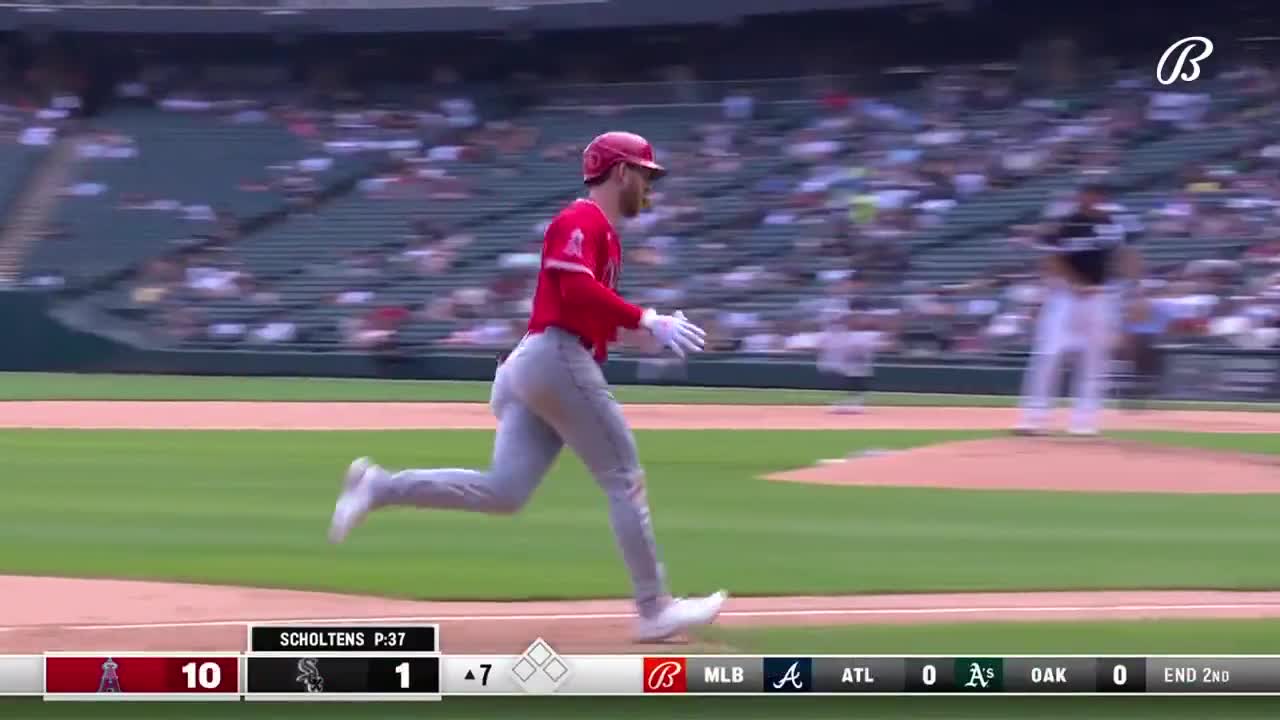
<point x="849" y="188"/>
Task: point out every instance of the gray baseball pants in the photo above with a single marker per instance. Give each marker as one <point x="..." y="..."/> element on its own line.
<point x="548" y="393"/>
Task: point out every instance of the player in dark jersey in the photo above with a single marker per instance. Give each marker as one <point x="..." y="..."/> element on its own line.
<point x="1090" y="264"/>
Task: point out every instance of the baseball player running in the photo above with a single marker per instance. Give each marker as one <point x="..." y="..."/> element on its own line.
<point x="1086" y="249"/>
<point x="848" y="351"/>
<point x="550" y="391"/>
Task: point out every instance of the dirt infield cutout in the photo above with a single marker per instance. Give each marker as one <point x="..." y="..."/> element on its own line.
<point x="112" y="615"/>
<point x="1054" y="463"/>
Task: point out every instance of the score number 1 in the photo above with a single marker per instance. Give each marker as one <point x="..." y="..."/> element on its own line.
<point x="404" y="675"/>
<point x="406" y="679"/>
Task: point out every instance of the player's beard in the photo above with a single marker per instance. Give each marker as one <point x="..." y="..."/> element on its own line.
<point x="633" y="201"/>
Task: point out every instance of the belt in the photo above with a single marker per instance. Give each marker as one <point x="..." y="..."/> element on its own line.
<point x="1086" y="289"/>
<point x="581" y="340"/>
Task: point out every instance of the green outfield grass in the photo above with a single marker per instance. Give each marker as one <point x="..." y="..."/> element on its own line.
<point x="252" y="507"/>
<point x="70" y="386"/>
<point x="765" y="708"/>
<point x="1131" y="637"/>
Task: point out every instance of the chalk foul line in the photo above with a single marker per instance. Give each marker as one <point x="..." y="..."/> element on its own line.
<point x="1091" y="610"/>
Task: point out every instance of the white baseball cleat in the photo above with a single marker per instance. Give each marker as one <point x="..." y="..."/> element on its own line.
<point x="1083" y="432"/>
<point x="1027" y="430"/>
<point x="679" y="615"/>
<point x="355" y="500"/>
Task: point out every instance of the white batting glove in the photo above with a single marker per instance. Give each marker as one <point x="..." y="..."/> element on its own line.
<point x="674" y="331"/>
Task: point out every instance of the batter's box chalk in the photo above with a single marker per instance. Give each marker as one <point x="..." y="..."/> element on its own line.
<point x="874" y="452"/>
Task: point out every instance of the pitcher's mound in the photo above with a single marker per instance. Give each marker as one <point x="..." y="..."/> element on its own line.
<point x="1064" y="464"/>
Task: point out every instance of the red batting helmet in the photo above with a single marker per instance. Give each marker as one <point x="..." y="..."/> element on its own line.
<point x="611" y="148"/>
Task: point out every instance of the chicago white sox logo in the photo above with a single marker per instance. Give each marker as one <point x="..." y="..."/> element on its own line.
<point x="309" y="675"/>
<point x="663" y="676"/>
<point x="1187" y="45"/>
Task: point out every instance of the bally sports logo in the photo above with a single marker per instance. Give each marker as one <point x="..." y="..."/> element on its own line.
<point x="665" y="675"/>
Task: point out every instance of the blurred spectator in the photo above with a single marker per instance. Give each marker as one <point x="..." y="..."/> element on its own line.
<point x="353" y="297"/>
<point x="490" y="333"/>
<point x="278" y="330"/>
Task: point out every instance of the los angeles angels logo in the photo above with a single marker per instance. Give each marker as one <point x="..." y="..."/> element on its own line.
<point x="573" y="248"/>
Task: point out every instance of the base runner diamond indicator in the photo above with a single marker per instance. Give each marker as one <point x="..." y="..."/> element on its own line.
<point x="556" y="670"/>
<point x="540" y="669"/>
<point x="524" y="670"/>
<point x="538" y="653"/>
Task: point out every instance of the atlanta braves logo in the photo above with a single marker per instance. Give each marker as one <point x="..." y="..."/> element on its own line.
<point x="791" y="677"/>
<point x="1185" y="46"/>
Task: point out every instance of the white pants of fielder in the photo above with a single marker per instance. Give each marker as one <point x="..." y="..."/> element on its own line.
<point x="1070" y="321"/>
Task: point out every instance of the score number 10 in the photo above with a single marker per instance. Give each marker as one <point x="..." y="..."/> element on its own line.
<point x="202" y="676"/>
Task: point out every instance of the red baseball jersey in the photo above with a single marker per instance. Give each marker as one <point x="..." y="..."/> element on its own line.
<point x="579" y="240"/>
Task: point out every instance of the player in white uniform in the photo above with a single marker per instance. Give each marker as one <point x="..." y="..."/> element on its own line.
<point x="848" y="350"/>
<point x="1088" y="247"/>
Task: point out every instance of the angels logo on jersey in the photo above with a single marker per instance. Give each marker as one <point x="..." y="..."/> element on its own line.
<point x="573" y="248"/>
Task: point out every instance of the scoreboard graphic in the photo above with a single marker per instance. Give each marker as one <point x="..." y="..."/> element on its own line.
<point x="375" y="663"/>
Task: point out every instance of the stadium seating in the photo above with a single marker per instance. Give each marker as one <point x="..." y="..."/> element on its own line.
<point x="303" y="258"/>
<point x="985" y="247"/>
<point x="16" y="161"/>
<point x="186" y="159"/>
<point x="295" y="256"/>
